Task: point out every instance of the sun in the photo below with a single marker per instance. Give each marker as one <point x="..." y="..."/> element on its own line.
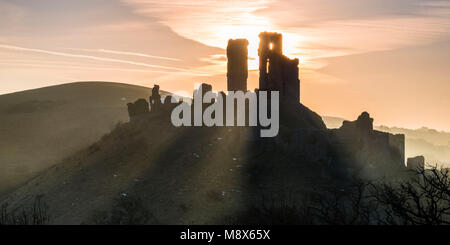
<point x="250" y="31"/>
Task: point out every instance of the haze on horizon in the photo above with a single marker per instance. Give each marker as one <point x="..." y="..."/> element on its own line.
<point x="389" y="58"/>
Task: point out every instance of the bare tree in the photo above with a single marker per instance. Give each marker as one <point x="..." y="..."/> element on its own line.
<point x="423" y="199"/>
<point x="346" y="206"/>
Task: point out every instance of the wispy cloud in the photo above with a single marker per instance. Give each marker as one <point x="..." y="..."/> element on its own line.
<point x="208" y="21"/>
<point x="58" y="66"/>
<point x="306" y="23"/>
<point x="174" y="69"/>
<point x="108" y="51"/>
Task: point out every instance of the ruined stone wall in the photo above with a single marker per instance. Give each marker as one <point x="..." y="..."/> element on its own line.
<point x="397" y="145"/>
<point x="291" y="83"/>
<point x="237" y="65"/>
<point x="270" y="61"/>
<point x="204" y="89"/>
<point x="369" y="147"/>
<point x="276" y="71"/>
<point x="138" y="108"/>
<point x="141" y="107"/>
<point x="155" y="99"/>
<point x="415" y="163"/>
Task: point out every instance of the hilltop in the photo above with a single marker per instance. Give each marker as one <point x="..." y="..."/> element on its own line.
<point x="183" y="175"/>
<point x="39" y="127"/>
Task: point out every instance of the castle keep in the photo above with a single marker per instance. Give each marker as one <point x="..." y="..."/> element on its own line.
<point x="276" y="71"/>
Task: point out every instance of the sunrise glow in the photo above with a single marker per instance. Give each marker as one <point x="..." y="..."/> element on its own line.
<point x="179" y="43"/>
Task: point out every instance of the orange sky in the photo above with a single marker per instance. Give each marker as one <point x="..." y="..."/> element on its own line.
<point x="387" y="57"/>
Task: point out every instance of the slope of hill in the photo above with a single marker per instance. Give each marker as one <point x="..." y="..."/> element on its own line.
<point x="39" y="127"/>
<point x="186" y="175"/>
<point x="433" y="144"/>
<point x="183" y="175"/>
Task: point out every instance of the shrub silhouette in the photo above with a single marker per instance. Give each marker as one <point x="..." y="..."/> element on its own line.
<point x="37" y="214"/>
<point x="422" y="198"/>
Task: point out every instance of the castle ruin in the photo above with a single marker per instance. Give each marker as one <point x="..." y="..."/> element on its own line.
<point x="237" y="65"/>
<point x="276" y="71"/>
<point x="155" y="99"/>
<point x="367" y="146"/>
<point x="416" y="163"/>
<point x="355" y="141"/>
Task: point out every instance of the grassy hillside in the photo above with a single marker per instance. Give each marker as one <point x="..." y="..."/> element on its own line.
<point x="39" y="127"/>
<point x="182" y="175"/>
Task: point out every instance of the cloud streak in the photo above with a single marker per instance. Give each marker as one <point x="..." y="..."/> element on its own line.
<point x="108" y="51"/>
<point x="306" y="23"/>
<point x="174" y="69"/>
<point x="56" y="66"/>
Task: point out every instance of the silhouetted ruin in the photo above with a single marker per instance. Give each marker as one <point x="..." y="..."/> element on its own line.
<point x="367" y="146"/>
<point x="155" y="99"/>
<point x="237" y="66"/>
<point x="415" y="163"/>
<point x="140" y="107"/>
<point x="276" y="71"/>
<point x="364" y="123"/>
<point x="157" y="106"/>
<point x="356" y="142"/>
<point x="204" y="88"/>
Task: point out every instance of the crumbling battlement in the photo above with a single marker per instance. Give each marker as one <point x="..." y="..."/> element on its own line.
<point x="363" y="124"/>
<point x="276" y="71"/>
<point x="237" y="65"/>
<point x="368" y="146"/>
<point x="416" y="163"/>
<point x="155" y="99"/>
<point x="397" y="147"/>
<point x="204" y="88"/>
<point x="142" y="108"/>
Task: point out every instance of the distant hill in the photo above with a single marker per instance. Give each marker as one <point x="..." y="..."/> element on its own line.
<point x="39" y="127"/>
<point x="433" y="144"/>
<point x="333" y="122"/>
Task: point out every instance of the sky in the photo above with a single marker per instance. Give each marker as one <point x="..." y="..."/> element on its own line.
<point x="389" y="58"/>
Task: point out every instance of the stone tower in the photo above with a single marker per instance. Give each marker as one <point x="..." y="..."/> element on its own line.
<point x="237" y="66"/>
<point x="276" y="71"/>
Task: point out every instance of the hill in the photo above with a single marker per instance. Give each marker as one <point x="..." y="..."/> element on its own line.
<point x="39" y="127"/>
<point x="182" y="175"/>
